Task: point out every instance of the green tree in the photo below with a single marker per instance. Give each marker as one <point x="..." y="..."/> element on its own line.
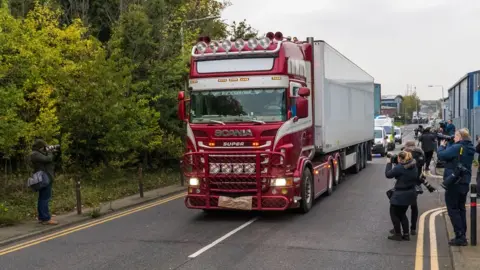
<point x="410" y="104"/>
<point x="242" y="30"/>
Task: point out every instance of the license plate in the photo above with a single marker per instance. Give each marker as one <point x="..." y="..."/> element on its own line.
<point x="241" y="203"/>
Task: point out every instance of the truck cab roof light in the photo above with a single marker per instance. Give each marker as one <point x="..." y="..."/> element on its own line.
<point x="265" y="43"/>
<point x="270" y="35"/>
<point x="226" y="45"/>
<point x="214" y="46"/>
<point x="201" y="46"/>
<point x="239" y="44"/>
<point x="252" y="43"/>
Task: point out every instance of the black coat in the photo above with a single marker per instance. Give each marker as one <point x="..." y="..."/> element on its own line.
<point x="429" y="141"/>
<point x="404" y="189"/>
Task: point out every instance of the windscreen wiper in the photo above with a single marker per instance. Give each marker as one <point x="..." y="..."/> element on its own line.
<point x="216" y="121"/>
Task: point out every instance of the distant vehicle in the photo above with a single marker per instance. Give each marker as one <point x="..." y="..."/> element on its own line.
<point x="391" y="140"/>
<point x="398" y="135"/>
<point x="383" y="121"/>
<point x="380" y="142"/>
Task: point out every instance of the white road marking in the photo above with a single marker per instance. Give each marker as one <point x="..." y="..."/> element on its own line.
<point x="214" y="243"/>
<point x="433" y="240"/>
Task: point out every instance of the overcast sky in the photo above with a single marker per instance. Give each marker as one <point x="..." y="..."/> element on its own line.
<point x="399" y="42"/>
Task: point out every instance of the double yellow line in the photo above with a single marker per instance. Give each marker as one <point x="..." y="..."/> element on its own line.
<point x="87" y="225"/>
<point x="419" y="254"/>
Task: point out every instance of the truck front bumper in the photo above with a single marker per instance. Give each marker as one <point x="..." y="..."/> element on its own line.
<point x="261" y="203"/>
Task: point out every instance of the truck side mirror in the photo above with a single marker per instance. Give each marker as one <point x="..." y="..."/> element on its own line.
<point x="302" y="107"/>
<point x="304" y="92"/>
<point x="181" y="106"/>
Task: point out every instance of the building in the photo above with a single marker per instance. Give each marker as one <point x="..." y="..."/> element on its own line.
<point x="463" y="103"/>
<point x="389" y="111"/>
<point x="378" y="99"/>
<point x="392" y="101"/>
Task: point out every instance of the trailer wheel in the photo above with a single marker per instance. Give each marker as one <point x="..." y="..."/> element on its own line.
<point x="307" y="191"/>
<point x="362" y="156"/>
<point x="356" y="169"/>
<point x="365" y="156"/>
<point x="330" y="182"/>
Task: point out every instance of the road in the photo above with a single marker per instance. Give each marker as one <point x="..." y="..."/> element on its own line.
<point x="347" y="230"/>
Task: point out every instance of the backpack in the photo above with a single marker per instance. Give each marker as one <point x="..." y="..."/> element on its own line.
<point x="419" y="158"/>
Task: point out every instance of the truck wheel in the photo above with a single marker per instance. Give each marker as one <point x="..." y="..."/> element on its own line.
<point x="330" y="182"/>
<point x="365" y="156"/>
<point x="356" y="169"/>
<point x="307" y="191"/>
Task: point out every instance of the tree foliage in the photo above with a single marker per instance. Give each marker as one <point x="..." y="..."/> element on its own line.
<point x="410" y="104"/>
<point x="100" y="77"/>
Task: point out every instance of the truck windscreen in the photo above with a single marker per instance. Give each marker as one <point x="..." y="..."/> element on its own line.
<point x="267" y="105"/>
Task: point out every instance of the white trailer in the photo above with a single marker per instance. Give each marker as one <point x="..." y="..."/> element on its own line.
<point x="343" y="101"/>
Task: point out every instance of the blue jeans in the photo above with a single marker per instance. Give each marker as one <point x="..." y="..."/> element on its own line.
<point x="44" y="196"/>
<point x="455" y="199"/>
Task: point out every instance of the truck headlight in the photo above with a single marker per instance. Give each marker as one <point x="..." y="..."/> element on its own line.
<point x="282" y="182"/>
<point x="193" y="182"/>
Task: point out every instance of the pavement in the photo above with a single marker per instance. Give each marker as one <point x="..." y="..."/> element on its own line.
<point x="464" y="258"/>
<point x="347" y="230"/>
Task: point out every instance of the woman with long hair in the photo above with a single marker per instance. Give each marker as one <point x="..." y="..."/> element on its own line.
<point x="403" y="194"/>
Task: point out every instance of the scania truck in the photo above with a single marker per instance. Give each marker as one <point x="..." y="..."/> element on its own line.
<point x="272" y="124"/>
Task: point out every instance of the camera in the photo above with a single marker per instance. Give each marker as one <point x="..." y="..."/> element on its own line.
<point x="52" y="148"/>
<point x="429" y="187"/>
<point x="447" y="138"/>
<point x="455" y="177"/>
<point x="392" y="157"/>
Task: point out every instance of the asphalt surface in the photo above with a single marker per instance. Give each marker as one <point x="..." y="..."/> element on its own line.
<point x="347" y="230"/>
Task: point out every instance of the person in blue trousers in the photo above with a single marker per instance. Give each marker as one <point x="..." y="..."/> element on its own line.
<point x="461" y="152"/>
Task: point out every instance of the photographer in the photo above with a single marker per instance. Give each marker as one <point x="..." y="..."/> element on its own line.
<point x="419" y="157"/>
<point x="403" y="194"/>
<point x="42" y="159"/>
<point x="429" y="142"/>
<point x="456" y="180"/>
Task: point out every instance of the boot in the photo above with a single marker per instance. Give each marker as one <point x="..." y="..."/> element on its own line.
<point x="406" y="237"/>
<point x="395" y="237"/>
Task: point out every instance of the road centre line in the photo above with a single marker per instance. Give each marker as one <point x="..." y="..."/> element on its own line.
<point x="419" y="256"/>
<point x="214" y="243"/>
<point x="87" y="225"/>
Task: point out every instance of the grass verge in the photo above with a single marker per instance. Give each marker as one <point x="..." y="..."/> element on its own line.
<point x="18" y="203"/>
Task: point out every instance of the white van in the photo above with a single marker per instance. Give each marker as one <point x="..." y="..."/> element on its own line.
<point x="381" y="142"/>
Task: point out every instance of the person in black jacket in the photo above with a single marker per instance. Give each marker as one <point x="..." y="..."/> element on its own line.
<point x="43" y="160"/>
<point x="429" y="143"/>
<point x="404" y="193"/>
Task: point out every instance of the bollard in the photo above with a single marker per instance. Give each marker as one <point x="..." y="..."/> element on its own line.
<point x="78" y="194"/>
<point x="140" y="181"/>
<point x="473" y="214"/>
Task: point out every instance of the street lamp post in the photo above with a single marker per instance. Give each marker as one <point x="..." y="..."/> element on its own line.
<point x="443" y="98"/>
